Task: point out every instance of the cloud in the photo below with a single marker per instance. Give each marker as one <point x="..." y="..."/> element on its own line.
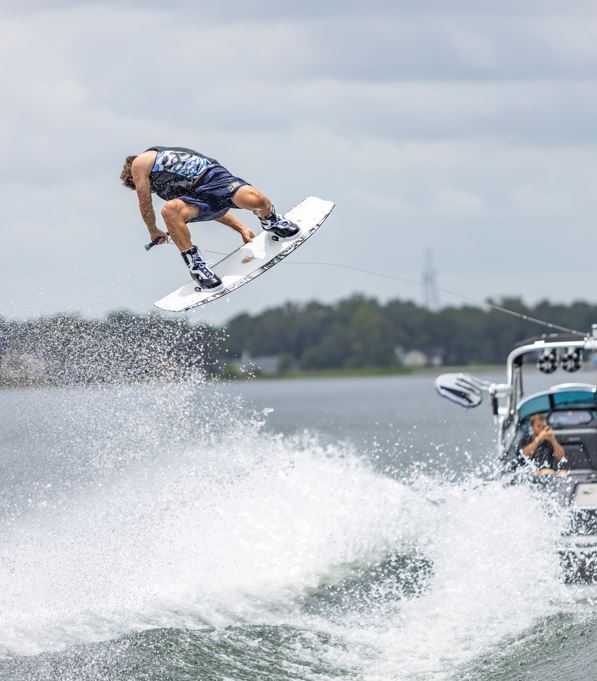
<point x="469" y="130"/>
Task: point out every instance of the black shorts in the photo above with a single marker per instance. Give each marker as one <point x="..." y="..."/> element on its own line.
<point x="213" y="194"/>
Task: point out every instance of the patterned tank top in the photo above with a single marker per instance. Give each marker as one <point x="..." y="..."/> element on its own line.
<point x="176" y="171"/>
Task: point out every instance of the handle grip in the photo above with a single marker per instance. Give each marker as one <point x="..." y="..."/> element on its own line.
<point x="151" y="244"/>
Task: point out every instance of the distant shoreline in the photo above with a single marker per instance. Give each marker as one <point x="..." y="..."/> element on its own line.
<point x="366" y="372"/>
<point x="371" y="372"/>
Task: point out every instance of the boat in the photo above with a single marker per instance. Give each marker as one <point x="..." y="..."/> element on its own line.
<point x="570" y="410"/>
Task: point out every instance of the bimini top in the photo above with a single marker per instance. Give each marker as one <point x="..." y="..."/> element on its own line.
<point x="564" y="396"/>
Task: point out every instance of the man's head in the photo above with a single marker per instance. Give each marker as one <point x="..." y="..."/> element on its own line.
<point x="127" y="174"/>
<point x="538" y="423"/>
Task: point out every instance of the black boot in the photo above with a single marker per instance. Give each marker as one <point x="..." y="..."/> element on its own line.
<point x="198" y="269"/>
<point x="280" y="227"/>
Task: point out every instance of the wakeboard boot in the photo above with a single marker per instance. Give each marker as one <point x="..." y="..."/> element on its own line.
<point x="207" y="279"/>
<point x="281" y="228"/>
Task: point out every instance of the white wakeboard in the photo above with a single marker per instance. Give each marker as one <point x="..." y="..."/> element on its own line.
<point x="251" y="260"/>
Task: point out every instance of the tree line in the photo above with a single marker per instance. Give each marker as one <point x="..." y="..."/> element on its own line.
<point x="361" y="332"/>
<point x="355" y="333"/>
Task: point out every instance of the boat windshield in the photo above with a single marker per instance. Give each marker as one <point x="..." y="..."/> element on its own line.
<point x="571" y="399"/>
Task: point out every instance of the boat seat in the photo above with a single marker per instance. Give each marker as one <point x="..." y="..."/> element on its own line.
<point x="580" y="446"/>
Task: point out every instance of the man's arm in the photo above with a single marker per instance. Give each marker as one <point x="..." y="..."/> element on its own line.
<point x="530" y="448"/>
<point x="536" y="441"/>
<point x="230" y="220"/>
<point x="558" y="450"/>
<point x="140" y="169"/>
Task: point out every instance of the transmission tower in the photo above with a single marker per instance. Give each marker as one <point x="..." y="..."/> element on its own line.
<point x="430" y="290"/>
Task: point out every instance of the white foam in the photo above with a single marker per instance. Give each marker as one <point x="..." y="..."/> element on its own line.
<point x="495" y="573"/>
<point x="192" y="539"/>
<point x="235" y="527"/>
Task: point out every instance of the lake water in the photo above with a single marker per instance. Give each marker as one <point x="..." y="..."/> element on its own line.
<point x="274" y="530"/>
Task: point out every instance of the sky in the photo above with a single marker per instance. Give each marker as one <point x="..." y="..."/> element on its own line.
<point x="467" y="127"/>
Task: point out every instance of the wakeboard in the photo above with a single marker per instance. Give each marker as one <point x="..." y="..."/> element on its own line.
<point x="252" y="259"/>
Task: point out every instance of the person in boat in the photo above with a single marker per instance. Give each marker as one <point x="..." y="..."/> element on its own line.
<point x="196" y="188"/>
<point x="544" y="450"/>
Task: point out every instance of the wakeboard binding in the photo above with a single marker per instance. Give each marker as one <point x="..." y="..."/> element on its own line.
<point x="207" y="279"/>
<point x="279" y="227"/>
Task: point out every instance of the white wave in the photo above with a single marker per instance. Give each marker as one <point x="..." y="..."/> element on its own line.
<point x="495" y="574"/>
<point x="201" y="536"/>
<point x="222" y="524"/>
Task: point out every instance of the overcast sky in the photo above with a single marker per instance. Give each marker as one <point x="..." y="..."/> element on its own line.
<point x="467" y="127"/>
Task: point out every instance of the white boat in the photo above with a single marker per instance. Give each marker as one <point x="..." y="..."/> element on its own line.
<point x="570" y="409"/>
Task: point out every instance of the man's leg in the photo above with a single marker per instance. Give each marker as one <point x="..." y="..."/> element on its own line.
<point x="176" y="213"/>
<point x="252" y="199"/>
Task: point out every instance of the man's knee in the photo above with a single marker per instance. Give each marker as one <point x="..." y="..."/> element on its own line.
<point x="251" y="198"/>
<point x="174" y="209"/>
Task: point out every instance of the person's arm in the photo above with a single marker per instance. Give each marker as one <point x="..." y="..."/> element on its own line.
<point x="230" y="220"/>
<point x="529" y="450"/>
<point x="140" y="169"/>
<point x="558" y="450"/>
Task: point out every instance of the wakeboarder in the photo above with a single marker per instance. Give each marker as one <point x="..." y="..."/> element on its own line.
<point x="196" y="188"/>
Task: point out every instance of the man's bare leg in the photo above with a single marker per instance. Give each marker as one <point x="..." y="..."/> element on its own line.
<point x="176" y="213"/>
<point x="252" y="199"/>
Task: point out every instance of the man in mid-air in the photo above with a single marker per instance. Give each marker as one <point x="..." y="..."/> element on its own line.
<point x="196" y="188"/>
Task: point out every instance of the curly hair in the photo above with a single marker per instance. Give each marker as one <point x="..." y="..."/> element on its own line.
<point x="126" y="175"/>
